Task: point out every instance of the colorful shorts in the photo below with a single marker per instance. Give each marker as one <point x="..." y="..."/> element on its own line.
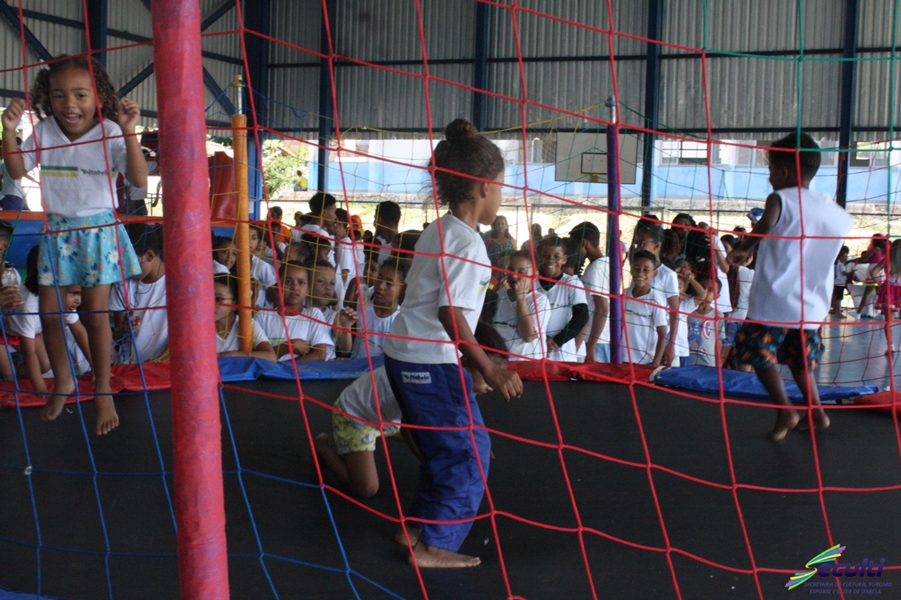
<point x="763" y="346"/>
<point x="352" y="435"/>
<point x="86" y="251"/>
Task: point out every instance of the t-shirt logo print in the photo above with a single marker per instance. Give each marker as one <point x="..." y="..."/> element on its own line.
<point x="417" y="378"/>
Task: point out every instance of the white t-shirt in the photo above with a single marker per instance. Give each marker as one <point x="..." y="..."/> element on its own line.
<point x="262" y="271"/>
<point x="11" y="187"/>
<point x="506" y="320"/>
<point x="566" y="293"/>
<point x="745" y="279"/>
<point x="703" y="332"/>
<point x="724" y="300"/>
<point x="468" y="275"/>
<point x="666" y="282"/>
<point x="385" y="250"/>
<point x="219" y="268"/>
<point x="643" y="316"/>
<point x="350" y="256"/>
<point x="25" y="322"/>
<point x="328" y="315"/>
<point x="232" y="343"/>
<point x="687" y="305"/>
<point x="358" y="400"/>
<point x="147" y="301"/>
<point x="596" y="279"/>
<point x="266" y="274"/>
<point x="299" y="327"/>
<point x="841" y="272"/>
<point x="375" y="325"/>
<point x="778" y="295"/>
<point x="76" y="180"/>
<point x="340" y="290"/>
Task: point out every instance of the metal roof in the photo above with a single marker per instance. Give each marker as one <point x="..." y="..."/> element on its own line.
<point x="558" y="51"/>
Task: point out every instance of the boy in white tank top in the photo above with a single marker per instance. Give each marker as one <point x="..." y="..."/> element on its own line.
<point x="788" y="303"/>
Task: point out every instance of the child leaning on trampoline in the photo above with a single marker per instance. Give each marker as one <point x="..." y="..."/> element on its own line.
<point x="790" y="295"/>
<point x="446" y="288"/>
<point x="82" y="140"/>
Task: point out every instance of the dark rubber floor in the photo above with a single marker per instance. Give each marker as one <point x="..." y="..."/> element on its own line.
<point x="563" y="508"/>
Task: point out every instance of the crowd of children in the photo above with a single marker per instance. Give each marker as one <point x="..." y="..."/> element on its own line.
<point x="325" y="290"/>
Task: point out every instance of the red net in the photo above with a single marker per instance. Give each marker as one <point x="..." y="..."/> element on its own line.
<point x="603" y="470"/>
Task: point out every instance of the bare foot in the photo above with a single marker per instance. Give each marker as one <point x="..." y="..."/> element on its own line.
<point x="413" y="532"/>
<point x="107" y="418"/>
<point x="820" y="421"/>
<point x="786" y="421"/>
<point x="55" y="404"/>
<point x="430" y="557"/>
<point x="321" y="443"/>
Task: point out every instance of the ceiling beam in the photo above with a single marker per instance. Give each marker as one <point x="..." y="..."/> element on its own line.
<point x="12" y="18"/>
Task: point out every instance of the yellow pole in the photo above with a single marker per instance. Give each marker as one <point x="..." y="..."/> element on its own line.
<point x="242" y="231"/>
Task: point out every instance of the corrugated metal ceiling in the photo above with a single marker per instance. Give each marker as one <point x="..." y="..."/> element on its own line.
<point x="565" y="49"/>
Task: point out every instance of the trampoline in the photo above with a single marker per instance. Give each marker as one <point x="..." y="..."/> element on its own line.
<point x="582" y="517"/>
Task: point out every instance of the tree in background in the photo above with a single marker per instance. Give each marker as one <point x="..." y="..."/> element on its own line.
<point x="281" y="161"/>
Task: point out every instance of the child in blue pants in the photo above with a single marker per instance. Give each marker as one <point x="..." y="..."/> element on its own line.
<point x="446" y="288"/>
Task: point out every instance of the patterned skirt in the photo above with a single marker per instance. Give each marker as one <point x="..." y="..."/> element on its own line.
<point x="86" y="251"/>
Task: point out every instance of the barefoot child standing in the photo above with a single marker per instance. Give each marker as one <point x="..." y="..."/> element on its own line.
<point x="789" y="298"/>
<point x="446" y="289"/>
<point x="79" y="155"/>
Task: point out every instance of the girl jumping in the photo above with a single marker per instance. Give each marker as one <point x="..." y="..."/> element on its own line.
<point x="84" y="138"/>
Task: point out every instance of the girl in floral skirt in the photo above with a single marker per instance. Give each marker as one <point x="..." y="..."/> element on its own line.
<point x="85" y="137"/>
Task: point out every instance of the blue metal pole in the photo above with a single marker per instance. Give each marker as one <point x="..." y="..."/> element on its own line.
<point x="480" y="68"/>
<point x="258" y="21"/>
<point x="651" y="100"/>
<point x="326" y="110"/>
<point x="98" y="12"/>
<point x="614" y="251"/>
<point x="254" y="178"/>
<point x="846" y="118"/>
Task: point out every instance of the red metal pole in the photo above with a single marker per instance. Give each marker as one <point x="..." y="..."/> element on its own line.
<point x="199" y="504"/>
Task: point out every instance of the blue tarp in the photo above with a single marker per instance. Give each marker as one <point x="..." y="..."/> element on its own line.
<point x="235" y="369"/>
<point x="746" y="385"/>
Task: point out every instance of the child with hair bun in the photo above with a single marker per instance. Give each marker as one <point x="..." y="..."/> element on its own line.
<point x="446" y="288"/>
<point x="85" y="136"/>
